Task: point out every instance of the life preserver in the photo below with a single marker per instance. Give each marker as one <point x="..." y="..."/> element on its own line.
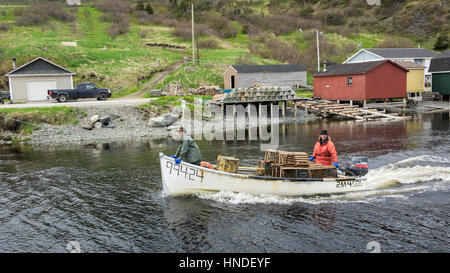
<point x="207" y="165"/>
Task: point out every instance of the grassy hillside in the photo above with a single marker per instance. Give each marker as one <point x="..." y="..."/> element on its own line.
<point x="264" y="32"/>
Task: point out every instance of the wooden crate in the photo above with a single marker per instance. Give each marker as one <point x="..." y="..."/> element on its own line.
<point x="307" y="172"/>
<point x="271" y="155"/>
<point x="292" y="158"/>
<point x="227" y="164"/>
<point x="261" y="169"/>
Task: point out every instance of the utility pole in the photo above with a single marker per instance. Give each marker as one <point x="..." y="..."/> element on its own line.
<point x="318" y="54"/>
<point x="196" y="45"/>
<point x="193" y="42"/>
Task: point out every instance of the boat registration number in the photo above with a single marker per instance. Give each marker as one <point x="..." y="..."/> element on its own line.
<point x="348" y="183"/>
<point x="188" y="173"/>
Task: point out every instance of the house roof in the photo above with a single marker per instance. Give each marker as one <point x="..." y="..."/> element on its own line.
<point x="354" y="68"/>
<point x="411" y="65"/>
<point x="440" y="62"/>
<point x="39" y="66"/>
<point x="268" y="68"/>
<point x="389" y="53"/>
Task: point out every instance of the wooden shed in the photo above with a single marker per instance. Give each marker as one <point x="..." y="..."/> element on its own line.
<point x="361" y="81"/>
<point x="244" y="76"/>
<point x="31" y="81"/>
<point x="414" y="79"/>
<point x="440" y="73"/>
<point x="419" y="55"/>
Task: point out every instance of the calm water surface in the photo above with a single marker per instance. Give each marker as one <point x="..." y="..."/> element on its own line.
<point x="109" y="197"/>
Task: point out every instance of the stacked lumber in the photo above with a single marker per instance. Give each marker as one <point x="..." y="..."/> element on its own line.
<point x="328" y="108"/>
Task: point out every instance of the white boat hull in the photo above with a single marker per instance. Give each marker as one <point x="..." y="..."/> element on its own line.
<point x="185" y="178"/>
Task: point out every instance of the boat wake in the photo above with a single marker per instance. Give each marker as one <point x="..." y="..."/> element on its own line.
<point x="393" y="180"/>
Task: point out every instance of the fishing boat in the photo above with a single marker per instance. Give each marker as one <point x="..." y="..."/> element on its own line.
<point x="185" y="179"/>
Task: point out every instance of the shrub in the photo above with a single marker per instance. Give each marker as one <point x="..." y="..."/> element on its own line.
<point x="221" y="25"/>
<point x="182" y="31"/>
<point x="244" y="60"/>
<point x="208" y="43"/>
<point x="143" y="34"/>
<point x="140" y="14"/>
<point x="333" y="17"/>
<point x="116" y="12"/>
<point x="250" y="29"/>
<point x="30" y="19"/>
<point x="5" y="27"/>
<point x="19" y="11"/>
<point x="39" y="13"/>
<point x="396" y="42"/>
<point x="306" y="11"/>
<point x="203" y="30"/>
<point x="113" y="6"/>
<point x="162" y="19"/>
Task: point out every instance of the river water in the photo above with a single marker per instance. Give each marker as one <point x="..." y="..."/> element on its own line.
<point x="108" y="197"/>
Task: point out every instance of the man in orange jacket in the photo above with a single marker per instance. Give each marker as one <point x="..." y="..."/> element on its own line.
<point x="324" y="151"/>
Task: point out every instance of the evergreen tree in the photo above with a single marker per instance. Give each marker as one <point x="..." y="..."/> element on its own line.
<point x="140" y="5"/>
<point x="148" y="8"/>
<point x="442" y="42"/>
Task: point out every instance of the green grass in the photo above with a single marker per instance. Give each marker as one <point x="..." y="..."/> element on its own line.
<point x="117" y="63"/>
<point x="57" y="110"/>
<point x="304" y="93"/>
<point x="29" y="118"/>
<point x="163" y="104"/>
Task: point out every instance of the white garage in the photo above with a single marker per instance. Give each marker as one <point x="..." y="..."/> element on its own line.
<point x="31" y="81"/>
<point x="37" y="90"/>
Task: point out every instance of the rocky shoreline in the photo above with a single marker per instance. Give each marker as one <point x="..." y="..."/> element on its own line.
<point x="121" y="123"/>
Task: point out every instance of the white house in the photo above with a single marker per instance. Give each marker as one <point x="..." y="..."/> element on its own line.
<point x="420" y="56"/>
<point x="73" y="2"/>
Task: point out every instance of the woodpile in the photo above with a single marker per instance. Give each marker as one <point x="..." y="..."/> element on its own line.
<point x="203" y="91"/>
<point x="285" y="164"/>
<point x="253" y="94"/>
<point x="165" y="45"/>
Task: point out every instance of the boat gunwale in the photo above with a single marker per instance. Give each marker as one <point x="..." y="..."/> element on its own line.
<point x="266" y="178"/>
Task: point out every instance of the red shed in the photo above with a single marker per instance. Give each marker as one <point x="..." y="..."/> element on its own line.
<point x="361" y="81"/>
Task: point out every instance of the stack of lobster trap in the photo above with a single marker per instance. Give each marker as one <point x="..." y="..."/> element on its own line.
<point x="285" y="164"/>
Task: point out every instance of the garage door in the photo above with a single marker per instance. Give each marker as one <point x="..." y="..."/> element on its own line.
<point x="38" y="90"/>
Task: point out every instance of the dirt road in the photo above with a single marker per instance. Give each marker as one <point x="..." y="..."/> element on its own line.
<point x="81" y="103"/>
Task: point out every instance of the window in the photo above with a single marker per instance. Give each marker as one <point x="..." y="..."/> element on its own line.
<point x="89" y="87"/>
<point x="419" y="61"/>
<point x="349" y="81"/>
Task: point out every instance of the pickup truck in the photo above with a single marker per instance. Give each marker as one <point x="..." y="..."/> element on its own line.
<point x="4" y="95"/>
<point x="83" y="90"/>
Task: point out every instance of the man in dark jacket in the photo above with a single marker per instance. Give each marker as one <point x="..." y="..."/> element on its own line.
<point x="188" y="150"/>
